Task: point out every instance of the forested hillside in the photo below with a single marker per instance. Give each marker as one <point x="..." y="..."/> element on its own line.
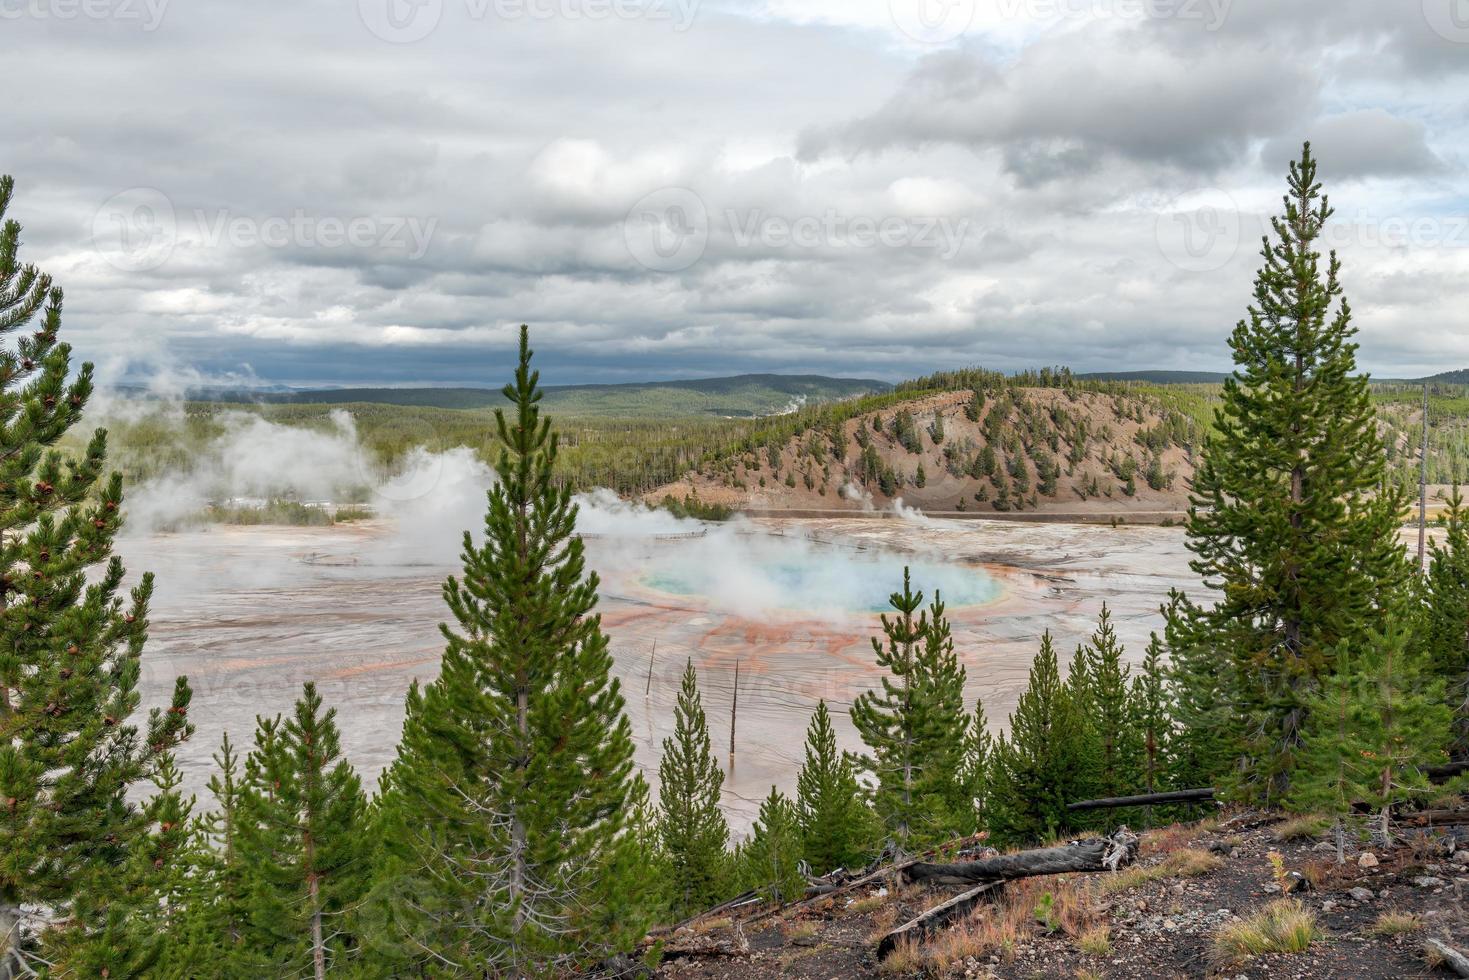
<point x="970" y="441"/>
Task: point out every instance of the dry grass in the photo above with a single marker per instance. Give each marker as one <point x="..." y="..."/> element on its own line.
<point x="1283" y="926"/>
<point x="902" y="961"/>
<point x="883" y="921"/>
<point x="1096" y="941"/>
<point x="705" y="926"/>
<point x="1310" y="826"/>
<point x="984" y="934"/>
<point x="1187" y="863"/>
<point x="1396" y="922"/>
<point x="869" y="904"/>
<point x="799" y="930"/>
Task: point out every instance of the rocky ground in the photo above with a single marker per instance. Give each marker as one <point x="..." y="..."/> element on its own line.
<point x="1172" y="914"/>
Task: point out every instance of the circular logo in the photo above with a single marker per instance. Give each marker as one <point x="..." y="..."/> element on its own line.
<point x="400" y="21"/>
<point x="668" y="230"/>
<point x="1448" y="18"/>
<point x="1199" y="231"/>
<point x="135" y="230"/>
<point x="932" y="21"/>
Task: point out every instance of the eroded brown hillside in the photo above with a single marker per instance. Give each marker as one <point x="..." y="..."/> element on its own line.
<point x="1013" y="450"/>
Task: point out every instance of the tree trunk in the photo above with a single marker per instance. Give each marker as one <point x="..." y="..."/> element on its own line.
<point x="318" y="950"/>
<point x="936" y="918"/>
<point x="1147" y="799"/>
<point x="1096" y="854"/>
<point x="1450" y="957"/>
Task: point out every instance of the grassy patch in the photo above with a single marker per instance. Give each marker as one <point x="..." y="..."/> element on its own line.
<point x="1284" y="926"/>
<point x="1096" y="941"/>
<point x="978" y="936"/>
<point x="902" y="961"/>
<point x="871" y="903"/>
<point x="1309" y="826"/>
<point x="1396" y="922"/>
<point x="796" y="931"/>
<point x="1187" y="863"/>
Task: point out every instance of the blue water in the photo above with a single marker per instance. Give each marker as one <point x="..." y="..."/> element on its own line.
<point x="844" y="581"/>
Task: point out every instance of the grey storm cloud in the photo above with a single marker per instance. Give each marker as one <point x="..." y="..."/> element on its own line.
<point x="280" y="191"/>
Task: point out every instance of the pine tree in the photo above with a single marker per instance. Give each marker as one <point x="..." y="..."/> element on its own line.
<point x="979" y="748"/>
<point x="691" y="824"/>
<point x="837" y="827"/>
<point x="1292" y="518"/>
<point x="1207" y="737"/>
<point x="301" y="823"/>
<point x="914" y="725"/>
<point x="1042" y="763"/>
<point x="1405" y="715"/>
<point x="508" y="801"/>
<point x="70" y="644"/>
<point x="1444" y="613"/>
<point x="1118" y="744"/>
<point x="1335" y="760"/>
<point x="1152" y="720"/>
<point x="770" y="861"/>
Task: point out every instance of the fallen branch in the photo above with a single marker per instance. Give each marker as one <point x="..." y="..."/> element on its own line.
<point x="1436" y="818"/>
<point x="1148" y="799"/>
<point x="1436" y="951"/>
<point x="1096" y="854"/>
<point x="936" y="918"/>
<point x="689" y="946"/>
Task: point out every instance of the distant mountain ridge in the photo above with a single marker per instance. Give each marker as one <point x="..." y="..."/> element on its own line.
<point x="739" y="396"/>
<point x="1158" y="377"/>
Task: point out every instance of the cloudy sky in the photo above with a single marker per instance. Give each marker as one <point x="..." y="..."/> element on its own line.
<point x="378" y="191"/>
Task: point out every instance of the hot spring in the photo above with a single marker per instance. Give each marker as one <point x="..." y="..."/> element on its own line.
<point x="817" y="580"/>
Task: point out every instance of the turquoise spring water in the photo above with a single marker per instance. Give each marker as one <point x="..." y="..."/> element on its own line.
<point x="820" y="581"/>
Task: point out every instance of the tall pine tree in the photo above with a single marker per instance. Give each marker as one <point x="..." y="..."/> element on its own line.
<point x="508" y="803"/>
<point x="301" y="817"/>
<point x="70" y="641"/>
<point x="914" y="726"/>
<point x="1444" y="613"/>
<point x="837" y="826"/>
<point x="1292" y="519"/>
<point x="691" y="824"/>
<point x="1043" y="763"/>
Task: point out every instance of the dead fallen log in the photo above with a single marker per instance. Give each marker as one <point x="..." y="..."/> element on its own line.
<point x="1095" y="854"/>
<point x="1147" y="799"/>
<point x="686" y="946"/>
<point x="1436" y="818"/>
<point x="920" y="928"/>
<point x="1450" y="957"/>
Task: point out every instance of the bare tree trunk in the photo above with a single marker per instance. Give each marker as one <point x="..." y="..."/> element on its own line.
<point x="1096" y="854"/>
<point x="318" y="948"/>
